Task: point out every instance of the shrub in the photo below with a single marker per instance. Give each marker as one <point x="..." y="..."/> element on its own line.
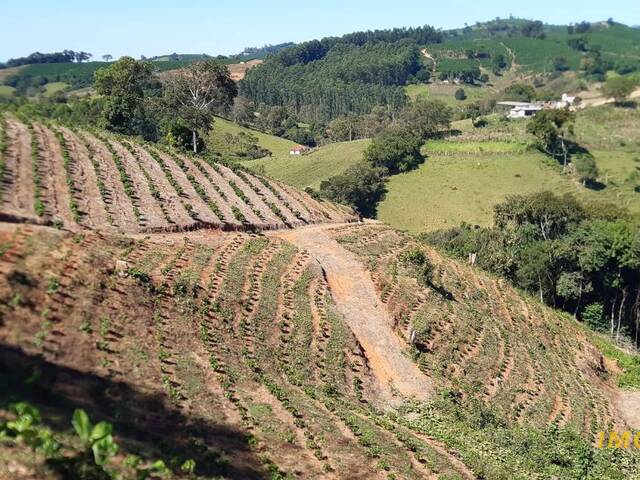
<point x="395" y="150"/>
<point x="360" y="186"/>
<point x="460" y="95"/>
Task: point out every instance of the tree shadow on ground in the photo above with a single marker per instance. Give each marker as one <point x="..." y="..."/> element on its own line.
<point x="143" y="424"/>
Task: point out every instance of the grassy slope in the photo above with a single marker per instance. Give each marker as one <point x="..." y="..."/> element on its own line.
<point x="465" y="177"/>
<point x="313" y="168"/>
<point x="279" y="147"/>
<point x="6" y="91"/>
<point x="300" y="171"/>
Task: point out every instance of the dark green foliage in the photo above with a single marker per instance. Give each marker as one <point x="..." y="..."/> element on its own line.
<point x="395" y="150"/>
<point x="459" y="94"/>
<point x="417" y="262"/>
<point x="519" y="92"/>
<point x="426" y="118"/>
<point x="534" y="29"/>
<point x="586" y="261"/>
<point x="619" y="88"/>
<point x="360" y="186"/>
<point x="195" y="94"/>
<point x="66" y="56"/>
<point x="585" y="168"/>
<point x="552" y="129"/>
<point x="322" y="80"/>
<point x="123" y="85"/>
<point x="560" y="64"/>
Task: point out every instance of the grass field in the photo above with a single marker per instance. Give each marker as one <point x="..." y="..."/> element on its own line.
<point x="313" y="168"/>
<point x="6" y="91"/>
<point x="446" y="92"/>
<point x="279" y="147"/>
<point x="452" y="188"/>
<point x="54" y="87"/>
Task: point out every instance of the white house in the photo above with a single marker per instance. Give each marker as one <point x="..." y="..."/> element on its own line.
<point x="299" y="150"/>
<point x="529" y="109"/>
<point x="522" y="109"/>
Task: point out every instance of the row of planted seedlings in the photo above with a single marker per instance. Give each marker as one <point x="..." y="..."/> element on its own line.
<point x="265" y="310"/>
<point x="216" y="330"/>
<point x="153" y="188"/>
<point x="239" y="192"/>
<point x="38" y="205"/>
<point x="4" y="145"/>
<point x="272" y="206"/>
<point x="69" y="170"/>
<point x="281" y="199"/>
<point x="105" y="194"/>
<point x="237" y="213"/>
<point x="339" y="396"/>
<point x="295" y="363"/>
<point x="197" y="186"/>
<point x="125" y="178"/>
<point x="353" y="420"/>
<point x="173" y="182"/>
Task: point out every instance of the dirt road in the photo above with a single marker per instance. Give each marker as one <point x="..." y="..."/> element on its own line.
<point x="356" y="299"/>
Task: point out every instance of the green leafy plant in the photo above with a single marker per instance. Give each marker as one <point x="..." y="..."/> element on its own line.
<point x="96" y="438"/>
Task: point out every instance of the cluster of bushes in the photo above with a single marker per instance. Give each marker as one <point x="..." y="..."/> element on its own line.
<point x="396" y="149"/>
<point x="582" y="259"/>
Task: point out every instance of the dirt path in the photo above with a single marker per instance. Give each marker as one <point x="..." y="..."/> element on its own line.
<point x="356" y="299"/>
<point x="427" y="55"/>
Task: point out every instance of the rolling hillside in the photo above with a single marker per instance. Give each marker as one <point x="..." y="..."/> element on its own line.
<point x="80" y="179"/>
<point x="248" y="354"/>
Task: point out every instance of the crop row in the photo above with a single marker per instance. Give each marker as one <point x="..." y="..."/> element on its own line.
<point x="68" y="169"/>
<point x="35" y="166"/>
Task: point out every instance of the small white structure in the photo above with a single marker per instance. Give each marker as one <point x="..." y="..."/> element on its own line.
<point x="522" y="109"/>
<point x="529" y="109"/>
<point x="299" y="150"/>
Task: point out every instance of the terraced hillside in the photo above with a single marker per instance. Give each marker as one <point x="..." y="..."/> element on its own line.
<point x="226" y="348"/>
<point x="252" y="355"/>
<point x="89" y="180"/>
<point x="476" y="335"/>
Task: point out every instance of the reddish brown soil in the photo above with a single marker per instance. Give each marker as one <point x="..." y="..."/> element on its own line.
<point x="93" y="209"/>
<point x="18" y="188"/>
<point x="55" y="192"/>
<point x="120" y="206"/>
<point x="191" y="197"/>
<point x="153" y="218"/>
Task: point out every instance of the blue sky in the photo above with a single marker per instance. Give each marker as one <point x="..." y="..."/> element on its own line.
<point x="149" y="28"/>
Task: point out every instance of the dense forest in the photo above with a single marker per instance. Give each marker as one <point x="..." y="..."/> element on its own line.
<point x="324" y="79"/>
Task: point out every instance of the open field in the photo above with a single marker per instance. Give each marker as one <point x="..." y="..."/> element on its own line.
<point x="312" y="168"/>
<point x="54" y="87"/>
<point x="463" y="183"/>
<point x="6" y="91"/>
<point x="78" y="180"/>
<point x="279" y="147"/>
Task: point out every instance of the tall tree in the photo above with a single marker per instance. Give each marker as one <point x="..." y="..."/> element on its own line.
<point x="619" y="88"/>
<point x="552" y="129"/>
<point x="198" y="92"/>
<point x="123" y="84"/>
<point x="107" y="58"/>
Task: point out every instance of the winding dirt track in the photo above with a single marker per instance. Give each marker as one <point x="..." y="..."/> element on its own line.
<point x="356" y="299"/>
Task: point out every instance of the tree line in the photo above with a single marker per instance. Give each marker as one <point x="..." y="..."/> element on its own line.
<point x="584" y="259"/>
<point x="65" y="56"/>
